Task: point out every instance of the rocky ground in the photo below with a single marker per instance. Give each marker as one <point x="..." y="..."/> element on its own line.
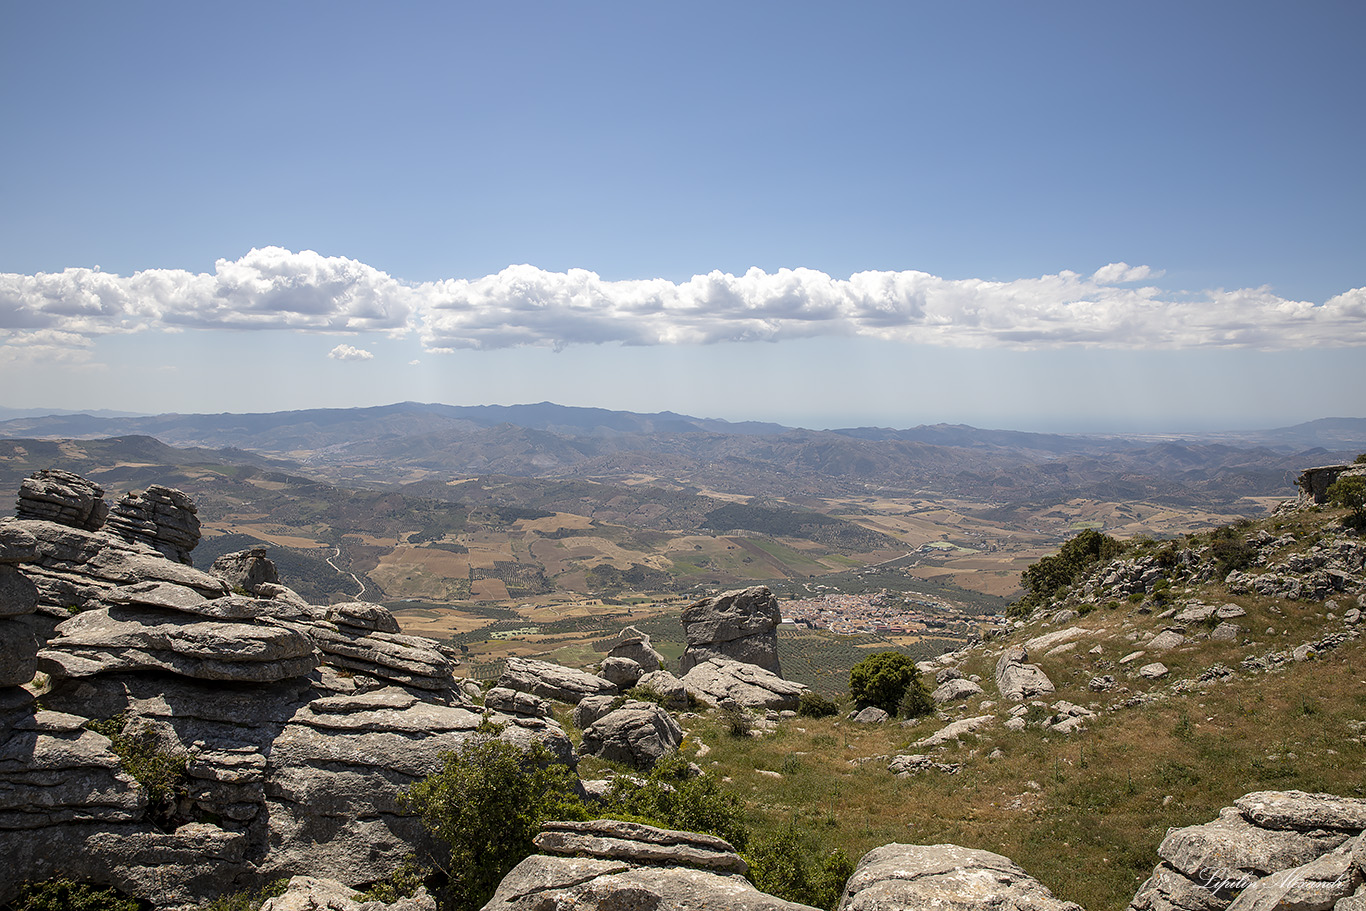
<point x="294" y="727"/>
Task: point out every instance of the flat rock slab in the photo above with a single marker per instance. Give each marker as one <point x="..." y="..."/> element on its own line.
<point x="1299" y="810"/>
<point x="955" y="691"/>
<point x="898" y="876"/>
<point x="595" y="884"/>
<point x="954" y="731"/>
<point x="717" y="679"/>
<point x="1230" y="849"/>
<point x="136" y="638"/>
<point x="553" y="681"/>
<point x="637" y="843"/>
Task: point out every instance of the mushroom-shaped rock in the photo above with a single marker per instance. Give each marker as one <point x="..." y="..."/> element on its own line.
<point x="738" y="625"/>
<point x="638" y="734"/>
<point x="632" y="643"/>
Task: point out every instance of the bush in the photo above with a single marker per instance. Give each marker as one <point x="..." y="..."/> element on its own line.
<point x="814" y="705"/>
<point x="67" y="895"/>
<point x="672" y="798"/>
<point x="485" y="805"/>
<point x="785" y="865"/>
<point x="1050" y="575"/>
<point x="402" y="883"/>
<point x="887" y="680"/>
<point x="161" y="772"/>
<point x="1350" y="493"/>
<point x="248" y="900"/>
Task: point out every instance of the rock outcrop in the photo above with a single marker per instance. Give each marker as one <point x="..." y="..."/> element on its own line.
<point x="716" y="680"/>
<point x="635" y="645"/>
<point x="553" y="681"/>
<point x="637" y="734"/>
<point x="607" y="865"/>
<point x="1313" y="483"/>
<point x="737" y="625"/>
<point x="53" y="495"/>
<point x="246" y="570"/>
<point x="1018" y="680"/>
<point x="899" y="876"/>
<point x="162" y="518"/>
<point x="1259" y="851"/>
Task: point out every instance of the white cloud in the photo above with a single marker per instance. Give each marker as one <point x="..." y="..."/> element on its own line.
<point x="274" y="288"/>
<point x="348" y="353"/>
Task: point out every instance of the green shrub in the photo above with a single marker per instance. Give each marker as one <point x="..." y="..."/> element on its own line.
<point x="1050" y="575"/>
<point x="402" y="883"/>
<point x="1350" y="494"/>
<point x="886" y="680"/>
<point x="786" y="865"/>
<point x="485" y="805"/>
<point x="734" y="720"/>
<point x="814" y="705"/>
<point x="672" y="798"/>
<point x="161" y="773"/>
<point x="248" y="900"/>
<point x="67" y="895"/>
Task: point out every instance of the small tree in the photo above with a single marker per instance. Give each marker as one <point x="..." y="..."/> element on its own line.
<point x="884" y="680"/>
<point x="1050" y="575"/>
<point x="1350" y="493"/>
<point x="486" y="804"/>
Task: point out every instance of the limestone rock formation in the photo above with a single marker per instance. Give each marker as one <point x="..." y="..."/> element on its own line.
<point x="1314" y="482"/>
<point x="1260" y="850"/>
<point x="307" y="893"/>
<point x="955" y="690"/>
<point x="606" y="865"/>
<point x="553" y="681"/>
<point x="53" y="495"/>
<point x="18" y="601"/>
<point x="1017" y="680"/>
<point x="635" y="645"/>
<point x="672" y="692"/>
<point x="900" y="876"/>
<point x="738" y="625"/>
<point x="246" y="570"/>
<point x="717" y="679"/>
<point x="160" y="517"/>
<point x="622" y="672"/>
<point x="638" y="734"/>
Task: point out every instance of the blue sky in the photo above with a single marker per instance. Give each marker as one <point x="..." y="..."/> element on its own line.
<point x="1044" y="216"/>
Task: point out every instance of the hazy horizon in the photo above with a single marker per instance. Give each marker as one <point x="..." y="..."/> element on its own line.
<point x="1070" y="217"/>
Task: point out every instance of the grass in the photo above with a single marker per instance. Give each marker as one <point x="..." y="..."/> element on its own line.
<point x="1083" y="813"/>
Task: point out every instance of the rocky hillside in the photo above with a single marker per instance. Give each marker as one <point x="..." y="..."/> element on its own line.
<point x="178" y="734"/>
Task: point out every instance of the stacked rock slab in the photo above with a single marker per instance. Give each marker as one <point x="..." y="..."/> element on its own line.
<point x="246" y="570"/>
<point x="553" y="681"/>
<point x="739" y="625"/>
<point x="161" y="517"/>
<point x="607" y="864"/>
<point x="18" y="601"/>
<point x="53" y="495"/>
<point x="287" y="766"/>
<point x="1269" y="842"/>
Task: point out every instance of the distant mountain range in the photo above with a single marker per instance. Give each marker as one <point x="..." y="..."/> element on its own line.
<point x="410" y="442"/>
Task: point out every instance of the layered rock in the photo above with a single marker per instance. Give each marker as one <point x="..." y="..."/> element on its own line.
<point x="1018" y="680"/>
<point x="638" y="734"/>
<point x="719" y="679"/>
<point x="163" y="518"/>
<point x="246" y="570"/>
<point x="1313" y="483"/>
<point x="553" y="681"/>
<point x="899" y="876"/>
<point x="1276" y="838"/>
<point x="606" y="864"/>
<point x="634" y="645"/>
<point x="53" y="495"/>
<point x="737" y="625"/>
<point x="18" y="601"/>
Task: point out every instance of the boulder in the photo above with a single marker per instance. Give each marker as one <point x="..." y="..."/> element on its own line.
<point x="1017" y="680"/>
<point x="1155" y="671"/>
<point x="511" y="702"/>
<point x="616" y="866"/>
<point x="871" y="715"/>
<point x="1315" y="886"/>
<point x="739" y="625"/>
<point x="1165" y="640"/>
<point x="161" y="517"/>
<point x="632" y="643"/>
<point x="1232" y="850"/>
<point x="637" y="734"/>
<point x="591" y="708"/>
<point x="622" y="672"/>
<point x="953" y="731"/>
<point x="246" y="570"/>
<point x="898" y="876"/>
<point x="673" y="693"/>
<point x="553" y="681"/>
<point x="53" y="495"/>
<point x="905" y="766"/>
<point x="955" y="690"/>
<point x="305" y="893"/>
<point x="718" y="679"/>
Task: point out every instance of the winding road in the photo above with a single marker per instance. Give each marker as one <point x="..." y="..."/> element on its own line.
<point x="359" y="583"/>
